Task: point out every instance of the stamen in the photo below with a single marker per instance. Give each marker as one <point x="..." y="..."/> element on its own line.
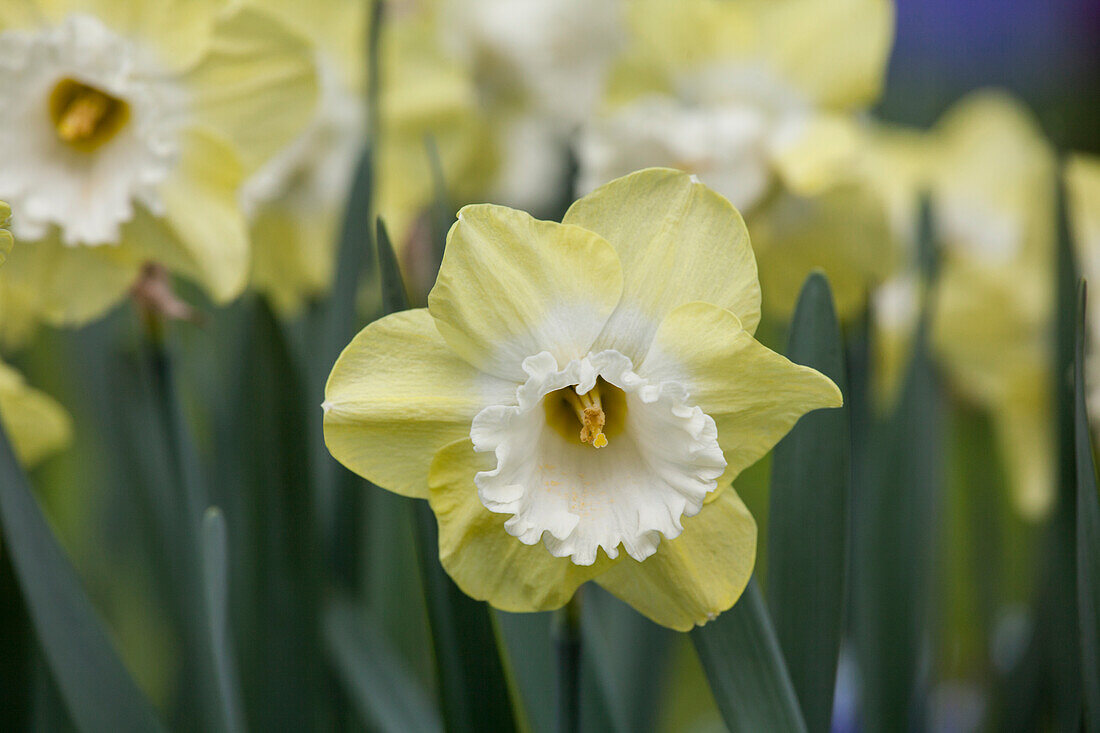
<point x="85" y="117"/>
<point x="82" y="115"/>
<point x="590" y="412"/>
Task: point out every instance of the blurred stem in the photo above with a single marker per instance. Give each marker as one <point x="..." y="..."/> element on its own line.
<point x="567" y="641"/>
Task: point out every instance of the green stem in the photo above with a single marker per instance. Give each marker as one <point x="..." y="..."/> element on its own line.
<point x="567" y="640"/>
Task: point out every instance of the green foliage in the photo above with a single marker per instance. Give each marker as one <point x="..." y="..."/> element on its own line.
<point x="808" y="534"/>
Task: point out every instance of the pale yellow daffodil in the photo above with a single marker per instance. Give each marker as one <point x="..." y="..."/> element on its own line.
<point x="295" y="202"/>
<point x="129" y="128"/>
<point x="576" y="399"/>
<point x="498" y="86"/>
<point x="757" y="99"/>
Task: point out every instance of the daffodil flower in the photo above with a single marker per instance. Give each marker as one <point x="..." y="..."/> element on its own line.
<point x="576" y="399"/>
<point x="295" y="202"/>
<point x="758" y="100"/>
<point x="128" y="128"/>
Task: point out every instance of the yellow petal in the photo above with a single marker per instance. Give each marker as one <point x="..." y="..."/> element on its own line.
<point x="293" y="254"/>
<point x="34" y="422"/>
<point x="678" y="241"/>
<point x="256" y="85"/>
<point x="816" y="153"/>
<point x="834" y="51"/>
<point x="844" y="232"/>
<point x="203" y="234"/>
<point x="396" y="396"/>
<point x="1023" y="428"/>
<point x="66" y="286"/>
<point x="486" y="562"/>
<point x="754" y="395"/>
<point x="696" y="576"/>
<point x="6" y="240"/>
<point x="512" y="286"/>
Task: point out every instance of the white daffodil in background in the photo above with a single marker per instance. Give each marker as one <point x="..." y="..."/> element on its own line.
<point x="993" y="202"/>
<point x="34" y="422"/>
<point x="1083" y="189"/>
<point x="577" y="387"/>
<point x="756" y="99"/>
<point x="296" y="201"/>
<point x="129" y="128"/>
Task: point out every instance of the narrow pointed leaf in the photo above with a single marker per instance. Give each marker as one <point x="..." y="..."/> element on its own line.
<point x="98" y="691"/>
<point x="215" y="573"/>
<point x="744" y="665"/>
<point x="388" y="697"/>
<point x="1088" y="536"/>
<point x="472" y="687"/>
<point x="808" y="527"/>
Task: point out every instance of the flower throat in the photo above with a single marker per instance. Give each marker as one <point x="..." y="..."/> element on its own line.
<point x="85" y="117"/>
<point x="592" y="417"/>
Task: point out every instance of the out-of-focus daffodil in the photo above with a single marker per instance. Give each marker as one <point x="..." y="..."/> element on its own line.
<point x="129" y="127"/>
<point x="577" y="386"/>
<point x="33" y="421"/>
<point x="755" y="98"/>
<point x="295" y="202"/>
<point x="498" y="86"/>
<point x="1083" y="189"/>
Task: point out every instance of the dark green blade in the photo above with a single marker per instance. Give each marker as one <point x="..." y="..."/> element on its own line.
<point x="1088" y="535"/>
<point x="623" y="664"/>
<point x="744" y="665"/>
<point x="282" y="654"/>
<point x="16" y="649"/>
<point x="215" y="576"/>
<point x="472" y="687"/>
<point x="808" y="530"/>
<point x="97" y="689"/>
<point x="388" y="697"/>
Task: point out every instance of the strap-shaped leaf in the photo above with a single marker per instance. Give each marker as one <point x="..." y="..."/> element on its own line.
<point x="97" y="689"/>
<point x="745" y="668"/>
<point x="1088" y="535"/>
<point x="387" y="696"/>
<point x="808" y="525"/>
<point x="215" y="577"/>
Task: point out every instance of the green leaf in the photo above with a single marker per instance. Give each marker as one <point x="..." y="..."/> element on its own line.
<point x="894" y="517"/>
<point x="394" y="295"/>
<point x="386" y="694"/>
<point x="98" y="691"/>
<point x="808" y="529"/>
<point x="16" y="648"/>
<point x="624" y="662"/>
<point x="744" y="665"/>
<point x="526" y="638"/>
<point x="215" y="574"/>
<point x="282" y="652"/>
<point x="472" y="686"/>
<point x="1088" y="535"/>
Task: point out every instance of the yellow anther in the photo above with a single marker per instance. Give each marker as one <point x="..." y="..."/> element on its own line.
<point x="82" y="115"/>
<point x="86" y="117"/>
<point x="590" y="412"/>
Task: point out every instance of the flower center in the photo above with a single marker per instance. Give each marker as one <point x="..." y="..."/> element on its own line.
<point x="601" y="412"/>
<point x="86" y="117"/>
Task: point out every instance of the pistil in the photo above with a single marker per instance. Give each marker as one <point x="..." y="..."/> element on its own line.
<point x="590" y="412"/>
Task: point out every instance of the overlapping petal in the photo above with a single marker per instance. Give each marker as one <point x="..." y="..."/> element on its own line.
<point x="203" y="233"/>
<point x="396" y="395"/>
<point x="678" y="242"/>
<point x="36" y="424"/>
<point x="754" y="394"/>
<point x="256" y="85"/>
<point x="511" y="286"/>
<point x="484" y="560"/>
<point x="696" y="576"/>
